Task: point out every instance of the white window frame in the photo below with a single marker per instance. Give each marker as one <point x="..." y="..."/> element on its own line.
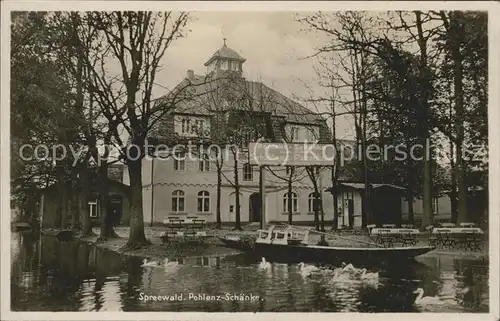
<point x="295" y="202"/>
<point x="435" y="205"/>
<point x="204" y="162"/>
<point x="179" y="164"/>
<point x="203" y="196"/>
<point x="310" y="202"/>
<point x="247" y="172"/>
<point x="185" y="128"/>
<point x="93" y="204"/>
<point x="294" y="133"/>
<point x="177" y="195"/>
<point x="224" y="64"/>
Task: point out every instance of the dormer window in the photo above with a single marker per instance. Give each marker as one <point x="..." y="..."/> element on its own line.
<point x="185" y="126"/>
<point x="235" y="65"/>
<point x="224" y="65"/>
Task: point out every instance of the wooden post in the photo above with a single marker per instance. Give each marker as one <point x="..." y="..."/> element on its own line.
<point x="152" y="190"/>
<point x="262" y="192"/>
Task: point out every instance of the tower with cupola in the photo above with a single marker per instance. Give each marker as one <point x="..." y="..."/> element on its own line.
<point x="225" y="61"/>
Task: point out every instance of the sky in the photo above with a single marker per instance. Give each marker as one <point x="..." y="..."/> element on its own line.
<point x="274" y="44"/>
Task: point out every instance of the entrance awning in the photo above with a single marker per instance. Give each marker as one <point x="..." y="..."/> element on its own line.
<point x="361" y="186"/>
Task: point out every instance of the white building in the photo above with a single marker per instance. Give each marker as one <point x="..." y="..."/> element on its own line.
<point x="189" y="187"/>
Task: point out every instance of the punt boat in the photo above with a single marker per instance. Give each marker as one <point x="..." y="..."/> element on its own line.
<point x="292" y="244"/>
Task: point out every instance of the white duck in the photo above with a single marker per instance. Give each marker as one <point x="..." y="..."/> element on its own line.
<point x="145" y="263"/>
<point x="340" y="276"/>
<point x="368" y="276"/>
<point x="169" y="265"/>
<point x="307" y="270"/>
<point x="349" y="268"/>
<point x="264" y="264"/>
<point x="427" y="300"/>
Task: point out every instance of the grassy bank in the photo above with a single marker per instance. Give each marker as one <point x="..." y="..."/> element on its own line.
<point x="213" y="247"/>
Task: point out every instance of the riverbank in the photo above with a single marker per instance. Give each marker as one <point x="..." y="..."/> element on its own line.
<point x="213" y="247"/>
<point x="158" y="250"/>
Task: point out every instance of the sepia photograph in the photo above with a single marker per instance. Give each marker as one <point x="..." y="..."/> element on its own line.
<point x="160" y="158"/>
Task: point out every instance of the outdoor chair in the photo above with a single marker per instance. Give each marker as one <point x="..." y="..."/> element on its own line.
<point x="198" y="224"/>
<point x="433" y="241"/>
<point x="385" y="239"/>
<point x="190" y="236"/>
<point x="169" y="236"/>
<point x="408" y="239"/>
<point x="370" y="227"/>
<point x="477" y="241"/>
<point x="200" y="236"/>
<point x="445" y="240"/>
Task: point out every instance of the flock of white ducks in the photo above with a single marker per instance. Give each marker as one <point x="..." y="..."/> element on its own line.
<point x="166" y="264"/>
<point x="345" y="273"/>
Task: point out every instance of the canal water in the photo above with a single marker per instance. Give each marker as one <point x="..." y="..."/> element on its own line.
<point x="48" y="275"/>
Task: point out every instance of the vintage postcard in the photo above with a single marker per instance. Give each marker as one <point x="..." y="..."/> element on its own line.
<point x="221" y="160"/>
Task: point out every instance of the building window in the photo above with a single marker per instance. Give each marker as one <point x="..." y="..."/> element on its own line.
<point x="204" y="163"/>
<point x="294" y="133"/>
<point x="435" y="205"/>
<point x="223" y="65"/>
<point x="247" y="172"/>
<point x="178" y="201"/>
<point x="179" y="161"/>
<point x="93" y="209"/>
<point x="295" y="202"/>
<point x="197" y="127"/>
<point x="203" y="202"/>
<point x="185" y="126"/>
<point x="311" y="135"/>
<point x="311" y="203"/>
<point x="236" y="66"/>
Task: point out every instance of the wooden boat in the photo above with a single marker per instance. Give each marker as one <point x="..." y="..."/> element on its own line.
<point x="292" y="245"/>
<point x="20" y="226"/>
<point x="62" y="235"/>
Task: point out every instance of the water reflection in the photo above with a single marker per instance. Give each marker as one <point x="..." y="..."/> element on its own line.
<point x="48" y="275"/>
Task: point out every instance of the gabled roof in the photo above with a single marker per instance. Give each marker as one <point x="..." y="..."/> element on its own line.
<point x="225" y="52"/>
<point x="202" y="95"/>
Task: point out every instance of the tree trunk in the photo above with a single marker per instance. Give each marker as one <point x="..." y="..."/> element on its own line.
<point x="289" y="195"/>
<point x="411" y="217"/>
<point x="310" y="172"/>
<point x="107" y="230"/>
<point x="83" y="201"/>
<point x="335" y="206"/>
<point x="137" y="238"/>
<point x="237" y="225"/>
<point x="75" y="206"/>
<point x="424" y="86"/>
<point x="219" y="192"/>
<point x="453" y="189"/>
<point x="61" y="202"/>
<point x="459" y="118"/>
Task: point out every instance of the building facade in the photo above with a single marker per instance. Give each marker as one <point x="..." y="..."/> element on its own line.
<point x="223" y="98"/>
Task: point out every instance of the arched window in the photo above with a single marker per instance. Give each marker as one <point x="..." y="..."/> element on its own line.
<point x="203" y="201"/>
<point x="295" y="202"/>
<point x="178" y="201"/>
<point x="310" y="202"/>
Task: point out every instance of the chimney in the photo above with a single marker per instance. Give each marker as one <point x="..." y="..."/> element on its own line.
<point x="190" y="74"/>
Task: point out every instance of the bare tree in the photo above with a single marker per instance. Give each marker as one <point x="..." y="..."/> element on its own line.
<point x="135" y="42"/>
